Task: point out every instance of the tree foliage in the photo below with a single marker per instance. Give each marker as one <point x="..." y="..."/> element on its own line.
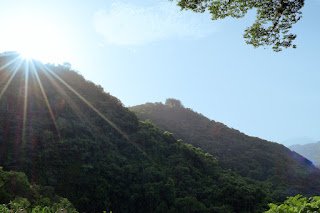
<point x="273" y="23"/>
<point x="18" y="195"/>
<point x="297" y="204"/>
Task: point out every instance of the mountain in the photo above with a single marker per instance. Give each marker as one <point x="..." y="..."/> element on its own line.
<point x="298" y="140"/>
<point x="310" y="151"/>
<point x="66" y="133"/>
<point x="282" y="171"/>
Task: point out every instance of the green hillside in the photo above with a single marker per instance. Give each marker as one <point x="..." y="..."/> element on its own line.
<point x="310" y="151"/>
<point x="282" y="171"/>
<point x="68" y="134"/>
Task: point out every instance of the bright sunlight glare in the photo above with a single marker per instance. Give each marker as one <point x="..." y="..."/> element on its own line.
<point x="36" y="38"/>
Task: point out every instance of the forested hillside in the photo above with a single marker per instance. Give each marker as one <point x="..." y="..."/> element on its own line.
<point x="310" y="151"/>
<point x="282" y="171"/>
<point x="66" y="133"/>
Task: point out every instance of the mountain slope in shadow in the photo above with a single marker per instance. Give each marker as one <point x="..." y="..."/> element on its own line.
<point x="282" y="171"/>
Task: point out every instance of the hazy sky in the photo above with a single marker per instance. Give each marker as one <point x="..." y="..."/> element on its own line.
<point x="148" y="50"/>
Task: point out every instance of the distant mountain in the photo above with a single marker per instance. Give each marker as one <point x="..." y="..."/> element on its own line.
<point x="298" y="140"/>
<point x="310" y="151"/>
<point x="66" y="133"/>
<point x="282" y="171"/>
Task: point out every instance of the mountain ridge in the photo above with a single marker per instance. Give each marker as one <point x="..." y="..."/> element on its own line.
<point x="250" y="157"/>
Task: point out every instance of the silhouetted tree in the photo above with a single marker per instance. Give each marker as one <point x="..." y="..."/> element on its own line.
<point x="273" y="21"/>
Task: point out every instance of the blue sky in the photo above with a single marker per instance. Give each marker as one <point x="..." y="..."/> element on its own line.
<point x="148" y="50"/>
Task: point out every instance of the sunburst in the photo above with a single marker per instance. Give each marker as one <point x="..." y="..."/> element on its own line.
<point x="37" y="38"/>
<point x="29" y="67"/>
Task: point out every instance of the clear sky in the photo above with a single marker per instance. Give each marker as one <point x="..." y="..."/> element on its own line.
<point x="148" y="50"/>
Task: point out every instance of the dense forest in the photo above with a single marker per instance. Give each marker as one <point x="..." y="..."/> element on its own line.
<point x="310" y="151"/>
<point x="67" y="144"/>
<point x="67" y="135"/>
<point x="282" y="172"/>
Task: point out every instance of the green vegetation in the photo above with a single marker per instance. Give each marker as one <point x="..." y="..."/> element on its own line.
<point x="20" y="196"/>
<point x="273" y="22"/>
<point x="297" y="204"/>
<point x="282" y="172"/>
<point x="61" y="134"/>
<point x="101" y="157"/>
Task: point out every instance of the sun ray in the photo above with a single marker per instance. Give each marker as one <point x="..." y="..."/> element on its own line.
<point x="15" y="70"/>
<point x="87" y="102"/>
<point x="72" y="104"/>
<point x="25" y="103"/>
<point x="34" y="70"/>
<point x="10" y="62"/>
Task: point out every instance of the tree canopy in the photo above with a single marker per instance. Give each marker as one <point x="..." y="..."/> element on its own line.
<point x="273" y="23"/>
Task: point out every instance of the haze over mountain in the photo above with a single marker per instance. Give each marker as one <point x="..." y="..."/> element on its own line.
<point x="280" y="169"/>
<point x="298" y="140"/>
<point x="310" y="151"/>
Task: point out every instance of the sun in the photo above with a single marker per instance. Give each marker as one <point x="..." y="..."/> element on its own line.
<point x="37" y="38"/>
<point x="29" y="53"/>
